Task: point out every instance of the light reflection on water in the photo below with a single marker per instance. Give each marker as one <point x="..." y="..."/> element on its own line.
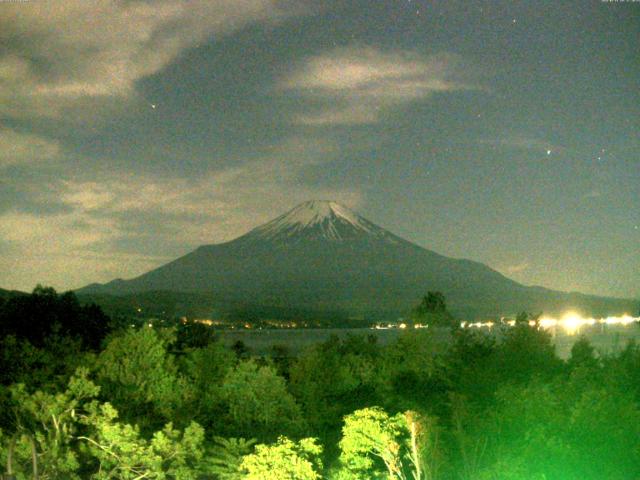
<point x="607" y="335"/>
<point x="571" y="323"/>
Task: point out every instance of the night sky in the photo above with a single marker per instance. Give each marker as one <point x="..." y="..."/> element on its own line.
<point x="506" y="132"/>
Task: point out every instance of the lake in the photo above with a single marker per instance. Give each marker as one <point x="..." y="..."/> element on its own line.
<point x="605" y="338"/>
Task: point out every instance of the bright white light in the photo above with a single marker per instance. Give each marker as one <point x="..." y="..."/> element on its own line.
<point x="623" y="320"/>
<point x="546" y="322"/>
<point x="570" y="322"/>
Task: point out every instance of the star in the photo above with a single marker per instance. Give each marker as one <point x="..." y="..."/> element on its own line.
<point x="548" y="152"/>
<point x="153" y="105"/>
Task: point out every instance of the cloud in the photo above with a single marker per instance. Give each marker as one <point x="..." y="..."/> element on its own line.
<point x="357" y="84"/>
<point x="515" y="268"/>
<point x="123" y="225"/>
<point x="19" y="148"/>
<point x="58" y="55"/>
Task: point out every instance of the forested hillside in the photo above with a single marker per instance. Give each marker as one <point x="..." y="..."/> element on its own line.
<point x="91" y="398"/>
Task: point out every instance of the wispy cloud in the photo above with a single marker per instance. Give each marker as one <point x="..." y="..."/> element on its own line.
<point x="62" y="54"/>
<point x="20" y="148"/>
<point x="357" y="84"/>
<point x="515" y="268"/>
<point x="123" y="225"/>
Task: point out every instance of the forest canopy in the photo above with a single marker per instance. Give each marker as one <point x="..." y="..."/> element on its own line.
<point x="91" y="399"/>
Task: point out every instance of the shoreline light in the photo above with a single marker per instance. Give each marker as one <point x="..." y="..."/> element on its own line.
<point x="570" y="322"/>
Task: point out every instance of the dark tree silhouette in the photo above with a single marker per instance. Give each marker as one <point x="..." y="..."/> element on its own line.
<point x="44" y="313"/>
<point x="433" y="310"/>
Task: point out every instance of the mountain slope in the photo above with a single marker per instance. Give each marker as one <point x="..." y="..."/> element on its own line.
<point x="324" y="257"/>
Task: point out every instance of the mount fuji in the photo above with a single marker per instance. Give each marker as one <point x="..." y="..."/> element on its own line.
<point x="322" y="257"/>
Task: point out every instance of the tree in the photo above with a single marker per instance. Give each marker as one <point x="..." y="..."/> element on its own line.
<point x="194" y="335"/>
<point x="433" y="302"/>
<point x="604" y="433"/>
<point x="582" y="355"/>
<point x="70" y="435"/>
<point x="334" y="378"/>
<point x="526" y="351"/>
<point x="226" y="457"/>
<point x="44" y="313"/>
<point x="258" y="403"/>
<point x="205" y="369"/>
<point x="123" y="453"/>
<point x="371" y="439"/>
<point x="284" y="460"/>
<point x="546" y="430"/>
<point x="469" y="366"/>
<point x="406" y="371"/>
<point x="376" y="445"/>
<point x="432" y="310"/>
<point x="140" y="378"/>
<point x="46" y="426"/>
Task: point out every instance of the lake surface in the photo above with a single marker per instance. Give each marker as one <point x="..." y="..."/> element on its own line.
<point x="605" y="338"/>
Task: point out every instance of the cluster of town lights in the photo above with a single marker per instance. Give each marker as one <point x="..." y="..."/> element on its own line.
<point x="571" y="322"/>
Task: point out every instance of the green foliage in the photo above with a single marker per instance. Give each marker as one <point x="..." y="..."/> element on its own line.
<point x="44" y="337"/>
<point x="204" y="370"/>
<point x="194" y="335"/>
<point x="432" y="302"/>
<point x="509" y="468"/>
<point x="76" y="437"/>
<point x="583" y="355"/>
<point x="432" y="310"/>
<point x="495" y="405"/>
<point x="49" y="420"/>
<point x="623" y="370"/>
<point x="523" y="318"/>
<point x="371" y="436"/>
<point x="551" y="434"/>
<point x="226" y="456"/>
<point x="334" y="378"/>
<point x="53" y="363"/>
<point x="377" y="445"/>
<point x="140" y="378"/>
<point x="258" y="402"/>
<point x="37" y="316"/>
<point x="284" y="460"/>
<point x="407" y="372"/>
<point x="526" y="351"/>
<point x="123" y="454"/>
<point x="479" y="362"/>
<point x="607" y="423"/>
<point x="469" y="366"/>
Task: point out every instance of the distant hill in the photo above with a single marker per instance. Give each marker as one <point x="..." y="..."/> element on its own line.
<point x="7" y="294"/>
<point x="322" y="257"/>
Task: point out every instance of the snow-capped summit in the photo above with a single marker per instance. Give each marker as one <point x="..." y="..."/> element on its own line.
<point x="316" y="211"/>
<point x="320" y="258"/>
<point x="319" y="219"/>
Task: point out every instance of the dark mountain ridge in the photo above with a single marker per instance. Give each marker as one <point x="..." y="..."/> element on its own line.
<point x="321" y="256"/>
